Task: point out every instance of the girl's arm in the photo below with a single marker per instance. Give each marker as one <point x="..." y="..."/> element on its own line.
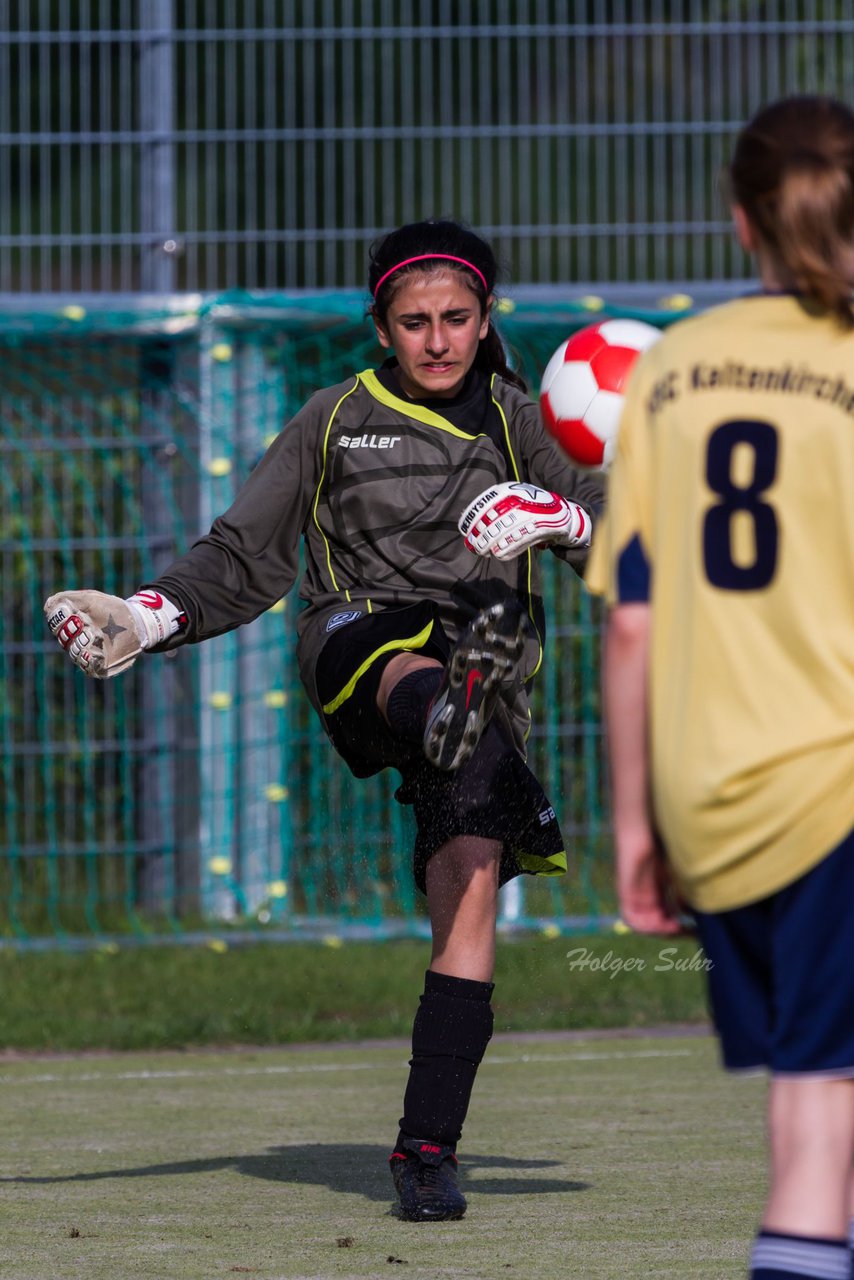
<point x="643" y="887"/>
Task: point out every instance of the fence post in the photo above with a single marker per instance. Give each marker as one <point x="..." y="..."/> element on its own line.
<point x="219" y="728"/>
<point x="168" y="718"/>
<point x="157" y="150"/>
<point x="158" y="732"/>
<point x="245" y="812"/>
<point x="264" y="785"/>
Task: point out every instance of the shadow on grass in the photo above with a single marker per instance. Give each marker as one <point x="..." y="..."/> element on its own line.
<point x="341" y="1167"/>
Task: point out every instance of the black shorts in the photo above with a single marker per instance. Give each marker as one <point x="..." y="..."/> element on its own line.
<point x="493" y="795"/>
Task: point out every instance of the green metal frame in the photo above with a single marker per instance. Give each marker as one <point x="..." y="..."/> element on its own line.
<point x="199" y="797"/>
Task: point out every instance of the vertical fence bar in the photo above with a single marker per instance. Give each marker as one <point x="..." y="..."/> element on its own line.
<point x="101" y="272"/>
<point x="6" y="127"/>
<point x="157" y="149"/>
<point x="128" y="178"/>
<point x="44" y="82"/>
<point x="161" y="687"/>
<point x="63" y="259"/>
<point x="230" y="158"/>
<point x="218" y="685"/>
<point x="263" y="787"/>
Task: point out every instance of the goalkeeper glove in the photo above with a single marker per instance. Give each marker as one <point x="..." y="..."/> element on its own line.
<point x="506" y="519"/>
<point x="104" y="635"/>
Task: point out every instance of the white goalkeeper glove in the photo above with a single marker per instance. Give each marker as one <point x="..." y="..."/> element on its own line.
<point x="506" y="519"/>
<point x="104" y="635"/>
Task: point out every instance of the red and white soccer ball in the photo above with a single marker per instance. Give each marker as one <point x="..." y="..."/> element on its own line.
<point x="581" y="395"/>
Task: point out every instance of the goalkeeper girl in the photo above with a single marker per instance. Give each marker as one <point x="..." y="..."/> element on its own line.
<point x="730" y="661"/>
<point x="422" y="491"/>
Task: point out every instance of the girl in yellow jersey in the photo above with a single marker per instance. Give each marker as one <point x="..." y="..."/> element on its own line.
<point x="727" y="557"/>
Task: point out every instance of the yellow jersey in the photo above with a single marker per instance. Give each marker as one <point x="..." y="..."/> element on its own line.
<point x="731" y="511"/>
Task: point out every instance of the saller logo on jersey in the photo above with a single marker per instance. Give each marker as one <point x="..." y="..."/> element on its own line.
<point x="369" y="442"/>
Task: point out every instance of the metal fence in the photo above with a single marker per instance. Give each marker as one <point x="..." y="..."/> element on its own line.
<point x="206" y="144"/>
<point x="155" y="147"/>
<point x="199" y="792"/>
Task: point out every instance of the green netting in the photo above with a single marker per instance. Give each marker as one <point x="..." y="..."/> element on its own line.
<point x="197" y="794"/>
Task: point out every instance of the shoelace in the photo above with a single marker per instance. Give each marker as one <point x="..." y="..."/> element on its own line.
<point x="432" y="1177"/>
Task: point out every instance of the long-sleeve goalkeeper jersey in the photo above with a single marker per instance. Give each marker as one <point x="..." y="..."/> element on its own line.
<point x="374" y="485"/>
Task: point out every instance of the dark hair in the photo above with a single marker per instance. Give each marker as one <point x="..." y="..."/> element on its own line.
<point x="445" y="240"/>
<point x="792" y="172"/>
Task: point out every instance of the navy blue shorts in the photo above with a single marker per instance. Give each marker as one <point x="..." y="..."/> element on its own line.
<point x="782" y="978"/>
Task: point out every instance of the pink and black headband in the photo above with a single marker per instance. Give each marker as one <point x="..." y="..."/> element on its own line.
<point x="421" y="257"/>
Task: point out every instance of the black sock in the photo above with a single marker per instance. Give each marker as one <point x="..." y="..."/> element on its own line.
<point x="452" y="1028"/>
<point x="409" y="702"/>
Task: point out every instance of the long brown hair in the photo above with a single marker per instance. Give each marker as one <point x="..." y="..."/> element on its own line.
<point x="793" y="174"/>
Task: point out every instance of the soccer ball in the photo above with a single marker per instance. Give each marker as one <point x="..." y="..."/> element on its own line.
<point x="581" y="396"/>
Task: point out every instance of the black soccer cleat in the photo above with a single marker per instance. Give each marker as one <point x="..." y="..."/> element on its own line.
<point x="425" y="1179"/>
<point x="486" y="656"/>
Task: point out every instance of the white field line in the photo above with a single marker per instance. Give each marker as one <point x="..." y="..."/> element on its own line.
<point x="315" y="1068"/>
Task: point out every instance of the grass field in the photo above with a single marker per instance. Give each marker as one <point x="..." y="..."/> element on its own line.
<point x="178" y="997"/>
<point x="586" y="1157"/>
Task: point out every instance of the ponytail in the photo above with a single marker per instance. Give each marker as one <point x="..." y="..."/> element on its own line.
<point x="814" y="208"/>
<point x="793" y="174"/>
<point x="492" y="358"/>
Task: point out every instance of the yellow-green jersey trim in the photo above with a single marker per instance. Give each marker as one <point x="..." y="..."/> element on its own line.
<point x="555" y="865"/>
<point x="320" y="485"/>
<point x="412" y="642"/>
<point x="375" y="388"/>
<point x="511" y="455"/>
